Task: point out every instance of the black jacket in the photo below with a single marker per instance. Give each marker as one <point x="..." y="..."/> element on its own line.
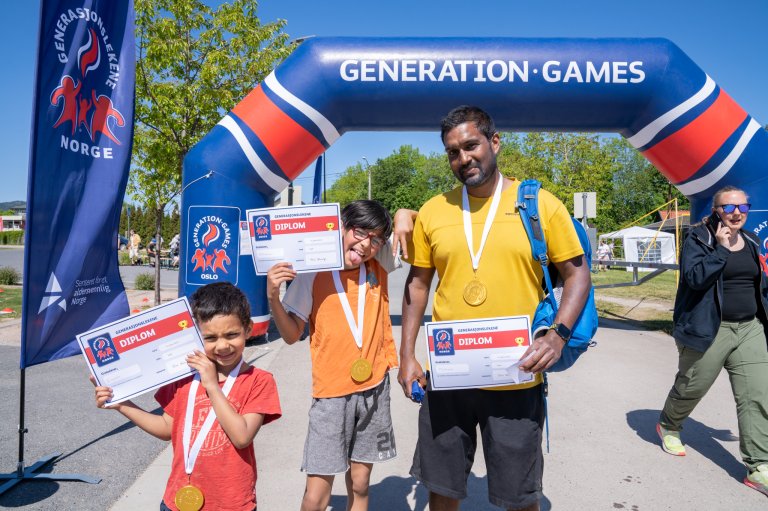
<point x="699" y="300"/>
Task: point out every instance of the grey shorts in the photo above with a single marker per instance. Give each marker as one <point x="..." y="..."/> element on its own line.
<point x="357" y="427"/>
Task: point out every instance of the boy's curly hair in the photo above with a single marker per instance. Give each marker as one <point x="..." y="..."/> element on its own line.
<point x="221" y="298"/>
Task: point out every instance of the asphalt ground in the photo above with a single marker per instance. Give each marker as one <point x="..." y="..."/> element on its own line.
<point x="604" y="451"/>
<point x="61" y="417"/>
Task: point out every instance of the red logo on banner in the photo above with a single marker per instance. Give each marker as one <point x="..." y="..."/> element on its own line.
<point x="85" y="112"/>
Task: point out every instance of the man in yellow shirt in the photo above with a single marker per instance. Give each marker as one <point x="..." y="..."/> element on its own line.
<point x="474" y="238"/>
<point x="133" y="246"/>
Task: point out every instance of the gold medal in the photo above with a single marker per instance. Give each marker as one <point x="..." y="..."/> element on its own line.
<point x="361" y="370"/>
<point x="475" y="292"/>
<point x="189" y="498"/>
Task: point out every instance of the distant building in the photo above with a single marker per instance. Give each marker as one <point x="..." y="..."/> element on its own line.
<point x="12" y="222"/>
<point x="283" y="198"/>
<point x="667" y="222"/>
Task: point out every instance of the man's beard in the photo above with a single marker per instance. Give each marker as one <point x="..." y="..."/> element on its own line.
<point x="482" y="177"/>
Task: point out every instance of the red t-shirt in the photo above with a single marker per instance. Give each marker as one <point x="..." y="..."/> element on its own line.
<point x="226" y="475"/>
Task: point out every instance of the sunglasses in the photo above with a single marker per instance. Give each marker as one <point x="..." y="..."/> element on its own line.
<point x="361" y="234"/>
<point x="730" y="208"/>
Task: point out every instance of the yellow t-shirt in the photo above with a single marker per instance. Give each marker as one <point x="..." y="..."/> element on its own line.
<point x="507" y="269"/>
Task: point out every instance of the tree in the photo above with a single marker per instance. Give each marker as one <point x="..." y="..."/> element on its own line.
<point x="627" y="185"/>
<point x="393" y="173"/>
<point x="432" y="176"/>
<point x="404" y="179"/>
<point x="352" y="185"/>
<point x="637" y="187"/>
<point x="194" y="63"/>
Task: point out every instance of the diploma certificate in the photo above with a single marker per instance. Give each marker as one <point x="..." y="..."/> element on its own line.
<point x="142" y="352"/>
<point x="308" y="237"/>
<point x="477" y="353"/>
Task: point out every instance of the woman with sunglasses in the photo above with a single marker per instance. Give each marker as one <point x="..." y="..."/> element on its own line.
<point x="719" y="321"/>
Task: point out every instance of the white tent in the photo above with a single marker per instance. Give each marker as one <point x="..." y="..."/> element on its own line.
<point x="642" y="244"/>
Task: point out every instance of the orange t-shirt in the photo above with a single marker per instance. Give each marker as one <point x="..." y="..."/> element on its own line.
<point x="312" y="297"/>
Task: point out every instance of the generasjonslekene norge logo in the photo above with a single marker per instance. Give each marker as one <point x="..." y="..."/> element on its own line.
<point x="103" y="349"/>
<point x="443" y="340"/>
<point x="261" y="228"/>
<point x="82" y="97"/>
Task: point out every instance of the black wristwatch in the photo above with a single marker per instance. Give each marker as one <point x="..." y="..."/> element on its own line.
<point x="563" y="331"/>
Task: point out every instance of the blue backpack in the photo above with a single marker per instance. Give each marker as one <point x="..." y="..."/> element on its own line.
<point x="586" y="324"/>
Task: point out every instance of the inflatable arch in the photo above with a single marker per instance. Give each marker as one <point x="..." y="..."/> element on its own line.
<point x="647" y="90"/>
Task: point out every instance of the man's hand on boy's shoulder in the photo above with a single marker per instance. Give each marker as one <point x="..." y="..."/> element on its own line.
<point x="402" y="231"/>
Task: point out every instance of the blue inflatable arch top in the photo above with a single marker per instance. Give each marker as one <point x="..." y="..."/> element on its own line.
<point x="647" y="90"/>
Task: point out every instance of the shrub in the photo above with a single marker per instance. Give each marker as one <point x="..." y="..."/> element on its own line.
<point x="145" y="282"/>
<point x="9" y="276"/>
<point x="12" y="238"/>
<point x="123" y="259"/>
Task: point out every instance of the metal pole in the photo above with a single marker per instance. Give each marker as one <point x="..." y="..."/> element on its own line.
<point x="324" y="159"/>
<point x="290" y="193"/>
<point x="584" y="203"/>
<point x="22" y="429"/>
<point x="368" y="169"/>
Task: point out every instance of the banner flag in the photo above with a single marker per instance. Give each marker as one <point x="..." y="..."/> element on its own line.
<point x="317" y="192"/>
<point x="80" y="153"/>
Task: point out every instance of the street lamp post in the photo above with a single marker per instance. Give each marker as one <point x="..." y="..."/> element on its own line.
<point x="368" y="169"/>
<point x="128" y="218"/>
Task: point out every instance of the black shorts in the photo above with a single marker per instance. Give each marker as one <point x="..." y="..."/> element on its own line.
<point x="510" y="422"/>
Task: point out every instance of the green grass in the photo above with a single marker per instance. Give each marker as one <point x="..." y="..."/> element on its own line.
<point x="661" y="288"/>
<point x="10" y="298"/>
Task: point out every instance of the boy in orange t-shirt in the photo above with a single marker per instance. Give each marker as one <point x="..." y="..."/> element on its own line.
<point x="352" y="350"/>
<point x="241" y="397"/>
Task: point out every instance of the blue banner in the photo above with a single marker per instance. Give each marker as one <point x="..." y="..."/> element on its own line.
<point x="80" y="153"/>
<point x="317" y="189"/>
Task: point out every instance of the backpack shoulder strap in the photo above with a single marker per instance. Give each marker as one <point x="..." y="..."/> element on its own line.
<point x="528" y="208"/>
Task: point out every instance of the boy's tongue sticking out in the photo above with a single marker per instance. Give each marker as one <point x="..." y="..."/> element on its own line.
<point x="353" y="258"/>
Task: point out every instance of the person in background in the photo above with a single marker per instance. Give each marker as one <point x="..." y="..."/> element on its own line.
<point x="133" y="246"/>
<point x="152" y="251"/>
<point x="174" y="247"/>
<point x="720" y="318"/>
<point x="603" y="255"/>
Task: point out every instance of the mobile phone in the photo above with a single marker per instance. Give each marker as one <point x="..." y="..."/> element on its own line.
<point x="714" y="221"/>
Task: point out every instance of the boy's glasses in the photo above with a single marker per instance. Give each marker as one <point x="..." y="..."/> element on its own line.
<point x="361" y="234"/>
<point x="730" y="208"/>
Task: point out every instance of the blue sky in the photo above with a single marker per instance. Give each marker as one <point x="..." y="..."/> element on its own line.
<point x="726" y="39"/>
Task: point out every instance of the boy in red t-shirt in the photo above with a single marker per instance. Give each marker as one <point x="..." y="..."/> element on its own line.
<point x="352" y="350"/>
<point x="218" y="471"/>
